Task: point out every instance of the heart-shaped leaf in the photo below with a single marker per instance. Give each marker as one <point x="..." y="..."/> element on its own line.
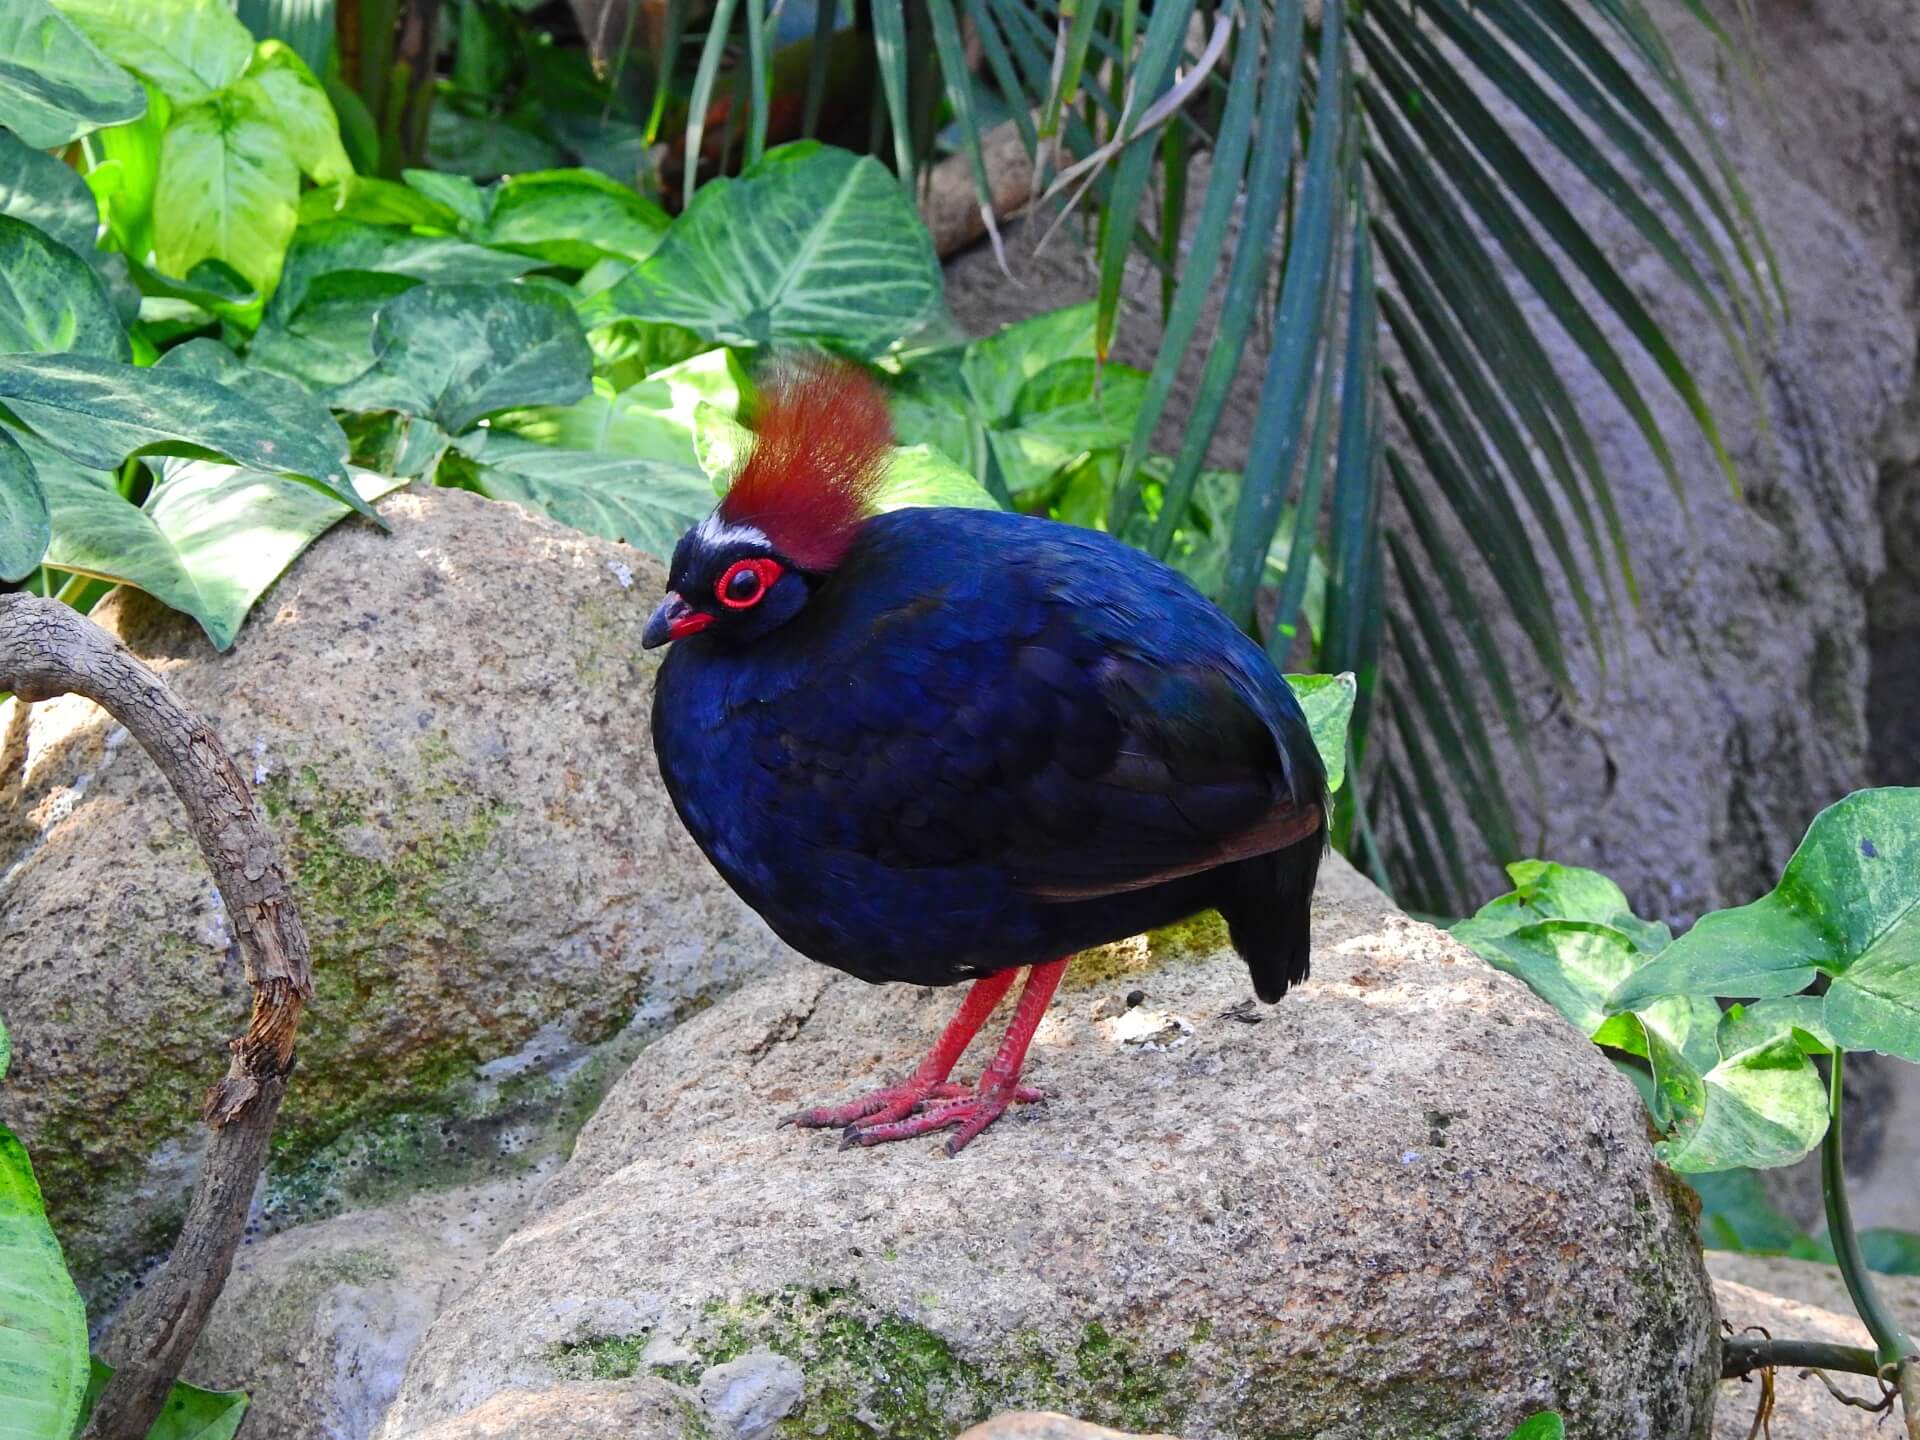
<point x="228" y="189"/>
<point x="1847" y="906"/>
<point x="455" y="353"/>
<point x="275" y="394"/>
<point x="573" y="218"/>
<point x="1761" y="1107"/>
<point x="297" y="104"/>
<point x="55" y="84"/>
<point x="189" y="48"/>
<point x="98" y="412"/>
<point x="811" y="244"/>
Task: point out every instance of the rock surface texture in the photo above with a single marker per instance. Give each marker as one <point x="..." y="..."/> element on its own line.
<point x="447" y="728"/>
<point x="1406" y="1201"/>
<point x="1795" y="1300"/>
<point x="1737" y="706"/>
<point x="317" y="1323"/>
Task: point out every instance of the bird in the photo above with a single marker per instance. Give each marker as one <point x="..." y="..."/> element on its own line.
<point x="940" y="745"/>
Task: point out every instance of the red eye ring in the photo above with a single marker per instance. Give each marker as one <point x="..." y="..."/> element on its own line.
<point x="764" y="572"/>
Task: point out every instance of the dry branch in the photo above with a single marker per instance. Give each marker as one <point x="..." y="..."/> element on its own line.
<point x="47" y="649"/>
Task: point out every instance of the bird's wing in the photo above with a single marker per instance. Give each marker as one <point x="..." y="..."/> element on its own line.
<point x="1197" y="779"/>
<point x="1077" y="767"/>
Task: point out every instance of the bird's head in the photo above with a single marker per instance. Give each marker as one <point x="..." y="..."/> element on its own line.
<point x="790" y="516"/>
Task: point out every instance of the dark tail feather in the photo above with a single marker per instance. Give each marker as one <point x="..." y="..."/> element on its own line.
<point x="1268" y="907"/>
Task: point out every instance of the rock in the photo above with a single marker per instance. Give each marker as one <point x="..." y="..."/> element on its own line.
<point x="1407" y="1200"/>
<point x="1798" y="1300"/>
<point x="749" y="1396"/>
<point x="1046" y="1425"/>
<point x="447" y="728"/>
<point x="318" y="1322"/>
<point x="640" y="1409"/>
<point x="1736" y="707"/>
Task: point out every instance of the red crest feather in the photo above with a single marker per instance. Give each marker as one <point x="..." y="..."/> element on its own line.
<point x="820" y="448"/>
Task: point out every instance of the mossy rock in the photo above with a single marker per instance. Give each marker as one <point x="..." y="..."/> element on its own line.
<point x="447" y="729"/>
<point x="1343" y="1217"/>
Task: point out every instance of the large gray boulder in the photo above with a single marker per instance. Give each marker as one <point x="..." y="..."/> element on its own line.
<point x="1409" y="1200"/>
<point x="1737" y="706"/>
<point x="447" y="729"/>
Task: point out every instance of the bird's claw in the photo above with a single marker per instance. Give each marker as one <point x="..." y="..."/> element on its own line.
<point x="902" y="1111"/>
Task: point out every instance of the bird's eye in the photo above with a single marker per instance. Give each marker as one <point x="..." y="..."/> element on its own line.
<point x="745" y="582"/>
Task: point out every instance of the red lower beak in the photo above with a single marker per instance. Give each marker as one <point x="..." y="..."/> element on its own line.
<point x="672" y="620"/>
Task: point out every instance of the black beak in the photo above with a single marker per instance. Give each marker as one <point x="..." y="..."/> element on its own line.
<point x="672" y="618"/>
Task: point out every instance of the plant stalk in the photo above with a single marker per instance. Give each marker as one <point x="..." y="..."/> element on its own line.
<point x="1895" y="1352"/>
<point x="1891" y="1342"/>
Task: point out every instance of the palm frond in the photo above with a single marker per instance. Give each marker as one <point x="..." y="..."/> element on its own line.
<point x="1380" y="209"/>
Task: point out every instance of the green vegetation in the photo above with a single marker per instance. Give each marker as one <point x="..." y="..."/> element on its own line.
<point x="1720" y="1028"/>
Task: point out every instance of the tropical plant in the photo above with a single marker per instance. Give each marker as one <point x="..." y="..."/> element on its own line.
<point x="1367" y="136"/>
<point x="1718" y="1028"/>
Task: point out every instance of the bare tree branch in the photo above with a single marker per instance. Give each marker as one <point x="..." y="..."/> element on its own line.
<point x="47" y="649"/>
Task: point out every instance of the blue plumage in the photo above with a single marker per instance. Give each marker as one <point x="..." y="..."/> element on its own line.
<point x="980" y="744"/>
<point x="938" y="745"/>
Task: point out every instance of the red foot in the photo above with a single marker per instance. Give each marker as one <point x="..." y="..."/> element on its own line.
<point x="972" y="1110"/>
<point x="891" y="1102"/>
<point x="926" y="1100"/>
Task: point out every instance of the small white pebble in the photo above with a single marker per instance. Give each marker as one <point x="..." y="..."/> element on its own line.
<point x="622" y="573"/>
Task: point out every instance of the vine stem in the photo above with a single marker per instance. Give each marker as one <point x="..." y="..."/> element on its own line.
<point x="1895" y="1352"/>
<point x="47" y="649"/>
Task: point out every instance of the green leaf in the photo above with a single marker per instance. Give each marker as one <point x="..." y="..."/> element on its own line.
<point x="1067" y="410"/>
<point x="1761" y="1107"/>
<point x="810" y="244"/>
<point x="1574" y="965"/>
<point x="43" y="1326"/>
<point x="652" y="419"/>
<point x="1328" y="701"/>
<point x="455" y="194"/>
<point x="297" y="104"/>
<point x="1891" y="1252"/>
<point x="209" y="541"/>
<point x="24" y="518"/>
<point x="1544" y="1426"/>
<point x="455" y="353"/>
<point x="98" y="412"/>
<point x="374" y="201"/>
<point x="275" y="394"/>
<point x="1847" y="906"/>
<point x="55" y="85"/>
<point x="328" y="340"/>
<point x="51" y="197"/>
<point x="124" y="178"/>
<point x="573" y="218"/>
<point x="1543" y="890"/>
<point x="921" y="475"/>
<point x="996" y="367"/>
<point x="648" y="504"/>
<point x="1736" y="1213"/>
<point x="51" y="301"/>
<point x="189" y="48"/>
<point x="1743" y="1026"/>
<point x="318" y="327"/>
<point x="190" y="1412"/>
<point x="229" y="188"/>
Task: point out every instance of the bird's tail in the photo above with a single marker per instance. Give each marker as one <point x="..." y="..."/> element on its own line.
<point x="1268" y="908"/>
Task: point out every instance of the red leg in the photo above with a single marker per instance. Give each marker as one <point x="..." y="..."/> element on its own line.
<point x="999" y="1083"/>
<point x="928" y="1081"/>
